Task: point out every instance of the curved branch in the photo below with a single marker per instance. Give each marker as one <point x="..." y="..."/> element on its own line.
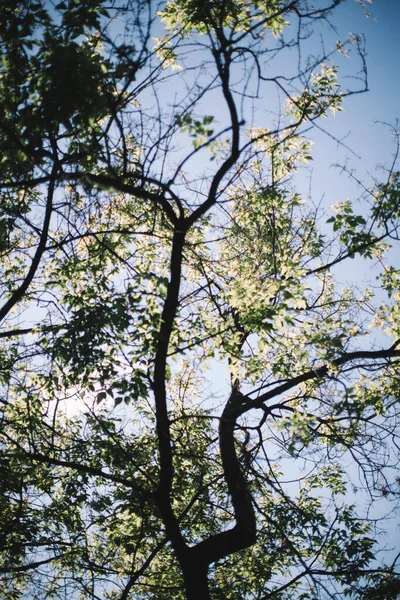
<point x="15" y="332"/>
<point x="82" y="468"/>
<point x="224" y="74"/>
<point x="18" y="294"/>
<point x="163" y="493"/>
<point x="243" y="534"/>
<point x="108" y="183"/>
<point x="318" y="373"/>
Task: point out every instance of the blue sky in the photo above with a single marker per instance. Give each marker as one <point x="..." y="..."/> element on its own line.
<point x="363" y="118"/>
<point x="360" y="125"/>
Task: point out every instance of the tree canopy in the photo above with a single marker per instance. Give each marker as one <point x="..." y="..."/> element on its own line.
<point x="152" y="239"/>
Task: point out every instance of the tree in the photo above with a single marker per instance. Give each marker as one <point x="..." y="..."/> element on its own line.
<point x="150" y="230"/>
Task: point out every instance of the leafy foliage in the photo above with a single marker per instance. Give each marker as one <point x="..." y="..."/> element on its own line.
<point x="152" y="238"/>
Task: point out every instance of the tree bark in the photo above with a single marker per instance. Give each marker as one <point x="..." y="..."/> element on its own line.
<point x="195" y="577"/>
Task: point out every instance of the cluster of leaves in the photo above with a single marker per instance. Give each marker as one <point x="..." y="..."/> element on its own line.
<point x="197" y="129"/>
<point x="184" y="17"/>
<point x="321" y="95"/>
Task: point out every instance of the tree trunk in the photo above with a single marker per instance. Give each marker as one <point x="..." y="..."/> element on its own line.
<point x="196" y="582"/>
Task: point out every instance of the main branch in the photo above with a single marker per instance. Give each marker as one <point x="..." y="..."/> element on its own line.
<point x="163" y="494"/>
